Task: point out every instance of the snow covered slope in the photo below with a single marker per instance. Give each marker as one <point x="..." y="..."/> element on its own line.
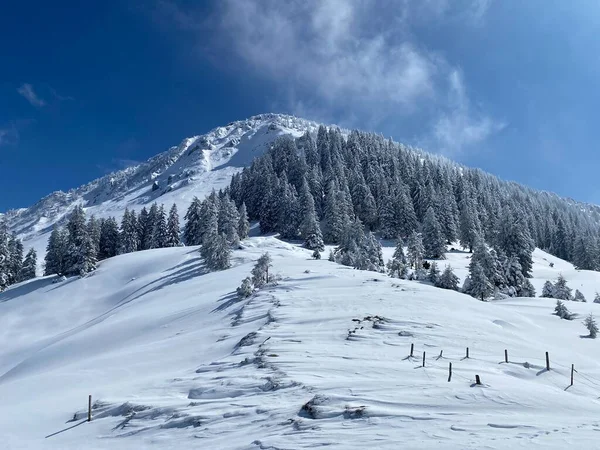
<point x="194" y="168"/>
<point x="175" y="360"/>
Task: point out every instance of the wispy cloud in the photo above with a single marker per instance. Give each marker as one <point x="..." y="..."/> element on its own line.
<point x="352" y="61"/>
<point x="60" y="97"/>
<point x="10" y="133"/>
<point x="460" y="125"/>
<point x="26" y="90"/>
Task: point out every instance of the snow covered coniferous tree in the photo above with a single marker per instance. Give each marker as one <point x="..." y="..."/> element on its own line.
<point x="129" y="236"/>
<point x="108" y="245"/>
<point x="216" y="251"/>
<point x="56" y="252"/>
<point x="173" y="239"/>
<point x="561" y="290"/>
<point x="597" y="298"/>
<point x="29" y="266"/>
<point x="448" y="280"/>
<point x="434" y="241"/>
<point x="579" y="297"/>
<point x="434" y="274"/>
<point x="591" y="325"/>
<point x="191" y="232"/>
<point x="479" y="286"/>
<point x="415" y="250"/>
<point x="246" y="289"/>
<point x="561" y="311"/>
<point x="548" y="290"/>
<point x="260" y="272"/>
<point x="244" y="224"/>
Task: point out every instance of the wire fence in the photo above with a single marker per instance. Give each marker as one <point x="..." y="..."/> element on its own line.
<point x="559" y="375"/>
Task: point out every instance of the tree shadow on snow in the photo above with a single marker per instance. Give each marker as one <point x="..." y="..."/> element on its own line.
<point x="27" y="288"/>
<point x="228" y="300"/>
<point x="192" y="269"/>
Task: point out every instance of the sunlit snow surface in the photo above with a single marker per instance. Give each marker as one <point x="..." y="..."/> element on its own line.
<point x="174" y="360"/>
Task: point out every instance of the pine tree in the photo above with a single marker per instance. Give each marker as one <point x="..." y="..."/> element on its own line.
<point x="373" y="254"/>
<point x="561" y="290"/>
<point x="579" y="297"/>
<point x="479" y="287"/>
<point x="260" y="272"/>
<point x="246" y="289"/>
<point x="597" y="298"/>
<point x="561" y="311"/>
<point x="415" y="250"/>
<point x="191" y="230"/>
<point x="15" y="261"/>
<point x="448" y="280"/>
<point x="159" y="228"/>
<point x="469" y="226"/>
<point x="591" y="325"/>
<point x="397" y="267"/>
<point x="527" y="289"/>
<point x="514" y="277"/>
<point x="173" y="239"/>
<point x="55" y="261"/>
<point x="94" y="228"/>
<point x="28" y="271"/>
<point x="229" y="220"/>
<point x="434" y="273"/>
<point x="108" y="245"/>
<point x="243" y="224"/>
<point x="4" y="257"/>
<point x="129" y="237"/>
<point x="145" y="227"/>
<point x="548" y="290"/>
<point x="309" y="227"/>
<point x="514" y="239"/>
<point x="433" y="239"/>
<point x="216" y="251"/>
<point x="81" y="251"/>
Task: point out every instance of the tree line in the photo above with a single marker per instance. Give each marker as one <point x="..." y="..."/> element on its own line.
<point x="14" y="268"/>
<point x="214" y="223"/>
<point x="76" y="247"/>
<point x="336" y="189"/>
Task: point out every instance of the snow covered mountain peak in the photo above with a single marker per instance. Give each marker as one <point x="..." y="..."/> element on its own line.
<point x="193" y="168"/>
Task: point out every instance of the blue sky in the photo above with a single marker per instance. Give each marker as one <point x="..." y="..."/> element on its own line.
<point x="508" y="86"/>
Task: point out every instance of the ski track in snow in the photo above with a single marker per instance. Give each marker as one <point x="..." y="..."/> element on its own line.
<point x="174" y="359"/>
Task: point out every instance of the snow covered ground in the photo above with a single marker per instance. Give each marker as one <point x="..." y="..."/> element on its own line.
<point x="174" y="360"/>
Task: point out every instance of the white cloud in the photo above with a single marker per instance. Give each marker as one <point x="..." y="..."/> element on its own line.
<point x="26" y="90"/>
<point x="350" y="61"/>
<point x="9" y="135"/>
<point x="460" y="126"/>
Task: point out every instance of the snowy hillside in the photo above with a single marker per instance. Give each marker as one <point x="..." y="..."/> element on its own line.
<point x="174" y="360"/>
<point x="193" y="168"/>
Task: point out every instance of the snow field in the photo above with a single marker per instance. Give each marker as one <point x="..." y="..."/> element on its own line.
<point x="175" y="360"/>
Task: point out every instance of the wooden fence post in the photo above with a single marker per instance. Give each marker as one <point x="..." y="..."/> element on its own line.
<point x="572" y="370"/>
<point x="89" y="408"/>
<point x="412" y="349"/>
<point x="477" y="380"/>
<point x="467" y="357"/>
<point x="449" y="372"/>
<point x="547" y="361"/>
<point x="506" y="356"/>
<point x="423" y="359"/>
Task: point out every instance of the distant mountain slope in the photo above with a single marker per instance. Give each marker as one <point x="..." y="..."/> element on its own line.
<point x="193" y="168"/>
